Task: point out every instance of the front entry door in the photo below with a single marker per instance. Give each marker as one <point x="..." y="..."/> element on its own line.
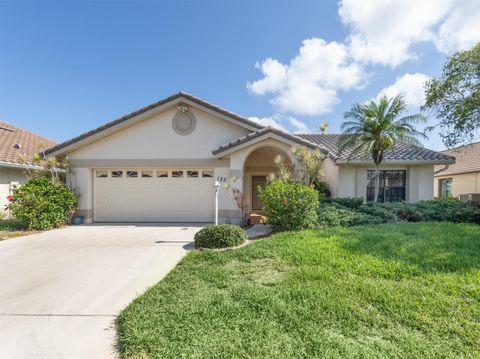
<point x="256" y="182"/>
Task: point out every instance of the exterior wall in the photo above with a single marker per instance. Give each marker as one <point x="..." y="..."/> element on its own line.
<point x="419" y="183"/>
<point x="461" y="183"/>
<point x="352" y="181"/>
<point x="331" y="173"/>
<point x="7" y="176"/>
<point x="155" y="138"/>
<point x="153" y="143"/>
<point x="80" y="180"/>
<point x="347" y="182"/>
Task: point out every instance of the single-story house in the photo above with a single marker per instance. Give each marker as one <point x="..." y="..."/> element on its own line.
<point x="160" y="163"/>
<point x="461" y="177"/>
<point x="17" y="146"/>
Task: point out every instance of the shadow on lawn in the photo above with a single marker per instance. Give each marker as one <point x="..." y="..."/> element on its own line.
<point x="430" y="247"/>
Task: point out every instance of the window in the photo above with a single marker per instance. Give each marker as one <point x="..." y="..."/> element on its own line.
<point x="132" y="174"/>
<point x="392" y="186"/>
<point x="162" y="174"/>
<point x="101" y="174"/>
<point x="192" y="173"/>
<point x="207" y="173"/>
<point x="445" y="187"/>
<point x="147" y="174"/>
<point x="117" y="174"/>
<point x="177" y="173"/>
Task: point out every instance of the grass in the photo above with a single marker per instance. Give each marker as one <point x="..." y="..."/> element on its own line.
<point x="12" y="228"/>
<point x="396" y="291"/>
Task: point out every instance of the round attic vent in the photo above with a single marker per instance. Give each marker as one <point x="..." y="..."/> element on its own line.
<point x="184" y="122"/>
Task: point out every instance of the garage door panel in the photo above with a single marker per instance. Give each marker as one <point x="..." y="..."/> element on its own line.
<point x="153" y="199"/>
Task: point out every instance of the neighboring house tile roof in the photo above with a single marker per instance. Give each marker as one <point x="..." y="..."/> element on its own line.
<point x="401" y="152"/>
<point x="184" y="95"/>
<point x="467" y="160"/>
<point x="15" y="142"/>
<point x="266" y="130"/>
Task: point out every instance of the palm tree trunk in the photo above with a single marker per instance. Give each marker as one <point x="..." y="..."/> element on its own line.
<point x="377" y="182"/>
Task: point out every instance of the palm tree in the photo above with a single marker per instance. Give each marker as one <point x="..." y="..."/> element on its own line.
<point x="373" y="128"/>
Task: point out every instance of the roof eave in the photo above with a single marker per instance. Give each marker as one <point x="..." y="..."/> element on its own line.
<point x="146" y="112"/>
<point x="19" y="165"/>
<point x="264" y="134"/>
<point x="397" y="162"/>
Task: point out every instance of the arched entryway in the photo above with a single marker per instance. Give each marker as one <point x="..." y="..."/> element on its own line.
<point x="257" y="167"/>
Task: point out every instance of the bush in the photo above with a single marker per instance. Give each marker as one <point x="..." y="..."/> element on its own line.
<point x="42" y="203"/>
<point x="322" y="189"/>
<point x="449" y="210"/>
<point x="344" y="212"/>
<point x="289" y="205"/>
<point x="348" y="202"/>
<point x="378" y="210"/>
<point x="221" y="236"/>
<point x="333" y="215"/>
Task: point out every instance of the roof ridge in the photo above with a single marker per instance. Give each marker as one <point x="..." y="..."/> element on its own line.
<point x="180" y="94"/>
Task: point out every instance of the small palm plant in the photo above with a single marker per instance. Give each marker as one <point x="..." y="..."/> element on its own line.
<point x="373" y="128"/>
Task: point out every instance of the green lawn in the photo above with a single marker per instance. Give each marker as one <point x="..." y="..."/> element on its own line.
<point x="11" y="228"/>
<point x="396" y="291"/>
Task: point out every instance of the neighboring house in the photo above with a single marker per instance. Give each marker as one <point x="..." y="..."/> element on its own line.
<point x="16" y="143"/>
<point x="160" y="163"/>
<point x="462" y="177"/>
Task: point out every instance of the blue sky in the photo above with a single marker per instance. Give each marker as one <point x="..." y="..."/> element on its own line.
<point x="69" y="66"/>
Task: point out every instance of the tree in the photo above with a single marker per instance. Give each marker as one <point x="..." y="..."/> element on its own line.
<point x="373" y="128"/>
<point x="454" y="98"/>
<point x="50" y="167"/>
<point x="307" y="168"/>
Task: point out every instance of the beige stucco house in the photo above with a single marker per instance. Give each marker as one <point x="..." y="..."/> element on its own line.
<point x="462" y="177"/>
<point x="160" y="163"/>
<point x="17" y="146"/>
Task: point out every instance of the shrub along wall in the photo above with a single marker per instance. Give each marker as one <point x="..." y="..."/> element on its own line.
<point x="42" y="203"/>
<point x="352" y="211"/>
<point x="293" y="206"/>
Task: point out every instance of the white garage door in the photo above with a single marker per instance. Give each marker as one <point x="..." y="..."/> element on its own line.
<point x="153" y="195"/>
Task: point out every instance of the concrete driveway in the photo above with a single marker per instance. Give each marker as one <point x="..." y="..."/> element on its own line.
<point x="61" y="290"/>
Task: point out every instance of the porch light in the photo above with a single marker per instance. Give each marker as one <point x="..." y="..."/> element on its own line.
<point x="216" y="185"/>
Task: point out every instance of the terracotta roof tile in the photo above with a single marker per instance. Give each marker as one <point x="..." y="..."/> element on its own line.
<point x="15" y="142"/>
<point x="467" y="160"/>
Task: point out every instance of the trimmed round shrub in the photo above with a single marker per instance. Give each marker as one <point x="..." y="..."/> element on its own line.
<point x="220" y="236"/>
<point x="289" y="205"/>
<point x="42" y="204"/>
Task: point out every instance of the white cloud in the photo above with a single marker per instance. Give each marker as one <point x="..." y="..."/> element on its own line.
<point x="275" y="75"/>
<point x="273" y="121"/>
<point x="299" y="126"/>
<point x="276" y="121"/>
<point x="383" y="32"/>
<point x="308" y="85"/>
<point x="410" y="85"/>
<point x="461" y="30"/>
